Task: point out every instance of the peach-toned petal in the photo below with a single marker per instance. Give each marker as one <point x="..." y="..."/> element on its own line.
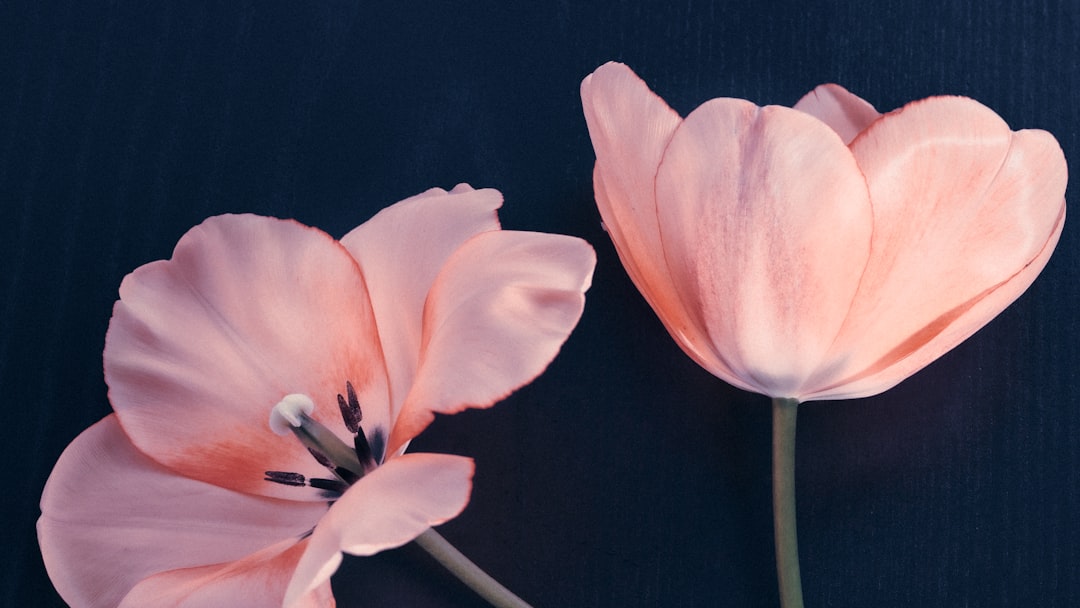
<point x="257" y="581"/>
<point x="248" y="310"/>
<point x="497" y="315"/>
<point x="959" y="325"/>
<point x="112" y="516"/>
<point x="387" y="508"/>
<point x="966" y="213"/>
<point x="766" y="228"/>
<point x="665" y="302"/>
<point x="400" y="250"/>
<point x="846" y="113"/>
<point x="630" y="127"/>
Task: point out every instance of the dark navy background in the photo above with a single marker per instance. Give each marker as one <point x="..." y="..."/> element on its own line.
<point x="625" y="476"/>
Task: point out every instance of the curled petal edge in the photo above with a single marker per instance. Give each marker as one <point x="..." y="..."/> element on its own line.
<point x="498" y="313"/>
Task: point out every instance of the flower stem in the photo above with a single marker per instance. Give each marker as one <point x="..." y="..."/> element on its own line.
<point x="469" y="573"/>
<point x="783" y="479"/>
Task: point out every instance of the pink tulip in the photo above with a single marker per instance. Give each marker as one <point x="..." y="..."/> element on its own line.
<point x="824" y="251"/>
<point x="185" y="495"/>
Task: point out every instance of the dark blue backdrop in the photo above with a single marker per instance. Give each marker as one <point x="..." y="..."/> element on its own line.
<point x="625" y="476"/>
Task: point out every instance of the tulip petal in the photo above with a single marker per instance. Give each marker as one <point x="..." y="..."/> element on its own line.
<point x="766" y="228"/>
<point x="256" y="581"/>
<point x="497" y="315"/>
<point x="966" y="214"/>
<point x="400" y="250"/>
<point x="386" y="508"/>
<point x="630" y="127"/>
<point x="202" y="346"/>
<point x="111" y="516"/>
<point x="846" y="113"/>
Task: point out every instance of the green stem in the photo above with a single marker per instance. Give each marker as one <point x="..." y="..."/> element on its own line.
<point x="469" y="573"/>
<point x="783" y="471"/>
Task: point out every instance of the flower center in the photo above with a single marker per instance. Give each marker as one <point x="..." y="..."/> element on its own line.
<point x="348" y="464"/>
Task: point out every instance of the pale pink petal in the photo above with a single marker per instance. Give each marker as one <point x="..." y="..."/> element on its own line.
<point x="387" y="508"/>
<point x="202" y="346"/>
<point x="256" y="581"/>
<point x="846" y="113"/>
<point x="112" y="516"/>
<point x="766" y="227"/>
<point x="630" y="127"/>
<point x="966" y="214"/>
<point x="400" y="250"/>
<point x="497" y="315"/>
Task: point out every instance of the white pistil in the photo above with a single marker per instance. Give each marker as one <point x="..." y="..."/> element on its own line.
<point x="286" y="415"/>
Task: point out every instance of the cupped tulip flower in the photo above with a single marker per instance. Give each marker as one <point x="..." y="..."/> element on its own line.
<point x="824" y="251"/>
<point x="186" y="496"/>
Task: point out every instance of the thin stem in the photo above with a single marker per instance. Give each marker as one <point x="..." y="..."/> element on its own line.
<point x="783" y="471"/>
<point x="469" y="573"/>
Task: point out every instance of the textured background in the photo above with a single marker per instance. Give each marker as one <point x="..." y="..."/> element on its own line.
<point x="625" y="476"/>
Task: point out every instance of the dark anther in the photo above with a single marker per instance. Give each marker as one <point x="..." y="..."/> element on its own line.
<point x="334" y="485"/>
<point x="286" y="478"/>
<point x="320" y="458"/>
<point x="350" y="409"/>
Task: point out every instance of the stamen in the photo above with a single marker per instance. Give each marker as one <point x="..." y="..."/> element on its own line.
<point x="352" y="415"/>
<point x="292" y="413"/>
<point x="350" y="409"/>
<point x="286" y="478"/>
<point x="378" y="445"/>
<point x="333" y="485"/>
<point x="363" y="450"/>
<point x="319" y="458"/>
<point x="354" y="403"/>
<point x="346" y="475"/>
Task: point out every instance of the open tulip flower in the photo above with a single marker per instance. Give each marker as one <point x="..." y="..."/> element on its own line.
<point x="188" y="495"/>
<point x="825" y="251"/>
